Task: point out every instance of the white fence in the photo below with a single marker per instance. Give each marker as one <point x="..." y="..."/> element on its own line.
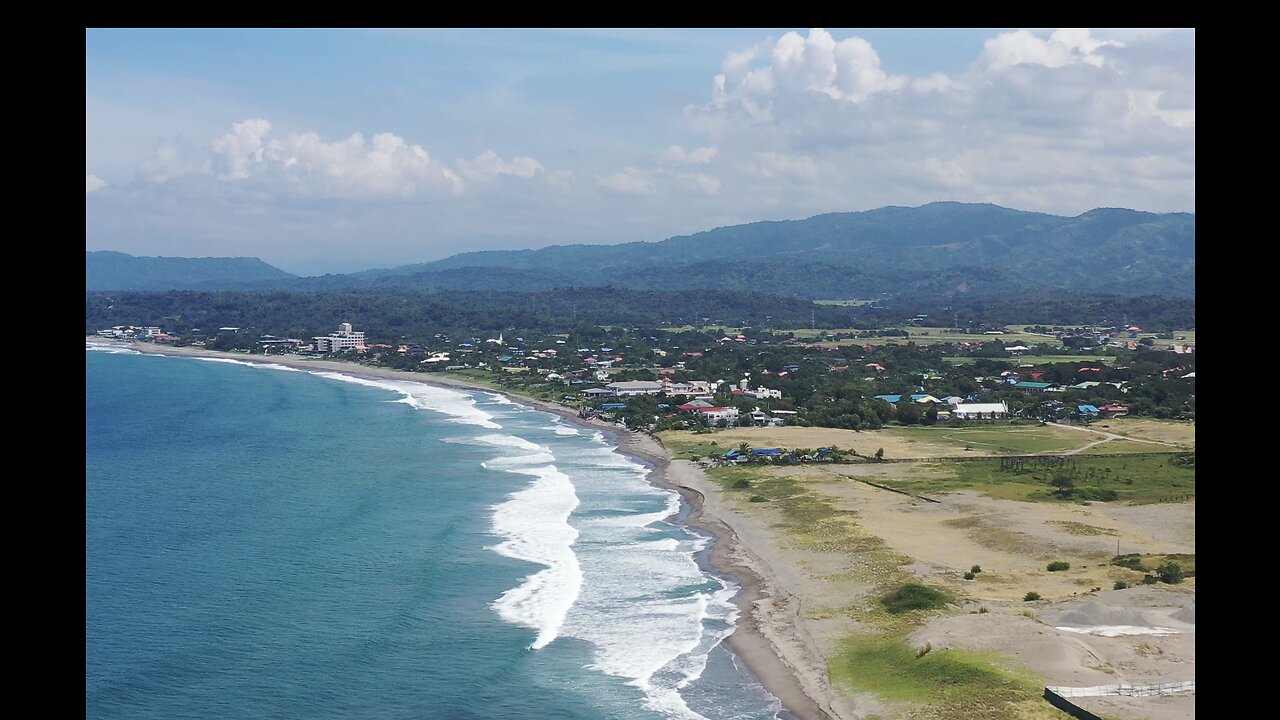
<point x="1188" y="686"/>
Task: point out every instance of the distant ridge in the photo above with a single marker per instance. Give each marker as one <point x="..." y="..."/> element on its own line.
<point x="939" y="250"/>
<point x="108" y="270"/>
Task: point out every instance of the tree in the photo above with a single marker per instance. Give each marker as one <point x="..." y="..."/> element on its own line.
<point x="1170" y="572"/>
<point x="908" y="411"/>
<point x="879" y="455"/>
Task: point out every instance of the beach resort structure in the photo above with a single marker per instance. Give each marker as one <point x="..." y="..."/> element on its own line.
<point x="344" y="339"/>
<point x="636" y="387"/>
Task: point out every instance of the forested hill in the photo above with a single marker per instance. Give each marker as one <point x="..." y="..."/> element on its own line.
<point x="943" y="252"/>
<point x="106" y="270"/>
<point x="937" y="250"/>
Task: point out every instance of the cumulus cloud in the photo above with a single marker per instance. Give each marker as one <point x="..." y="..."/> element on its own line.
<point x="677" y="155"/>
<point x="93" y="183"/>
<point x="385" y="165"/>
<point x="1059" y="121"/>
<point x="488" y="165"/>
<point x="241" y="149"/>
<point x="1064" y="47"/>
<point x="629" y="181"/>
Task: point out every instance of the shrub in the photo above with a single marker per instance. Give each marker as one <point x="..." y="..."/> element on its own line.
<point x="741" y="484"/>
<point x="983" y="610"/>
<point x="1150" y="579"/>
<point x="1132" y="561"/>
<point x="925" y="650"/>
<point x="914" y="596"/>
<point x="1031" y="596"/>
<point x="759" y="498"/>
<point x="969" y="576"/>
<point x="1120" y="585"/>
<point x="975" y="569"/>
<point x="1057" y="565"/>
<point x="1170" y="572"/>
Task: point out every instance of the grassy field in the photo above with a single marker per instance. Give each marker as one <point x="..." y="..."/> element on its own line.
<point x="1135" y="480"/>
<point x="996" y="439"/>
<point x="950" y="683"/>
<point x="906" y="442"/>
<point x="1174" y="431"/>
<point x="944" y="684"/>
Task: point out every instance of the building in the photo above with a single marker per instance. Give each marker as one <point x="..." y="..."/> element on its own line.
<point x="981" y="411"/>
<point x="344" y="339"/>
<point x="635" y="387"/>
<point x="716" y="414"/>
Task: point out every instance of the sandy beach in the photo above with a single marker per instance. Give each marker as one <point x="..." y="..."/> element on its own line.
<point x="768" y="639"/>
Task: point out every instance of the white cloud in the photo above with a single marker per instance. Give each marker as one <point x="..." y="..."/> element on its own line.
<point x="630" y="181"/>
<point x="1064" y="47"/>
<point x="387" y="165"/>
<point x="93" y="183"/>
<point x="241" y="149"/>
<point x="1059" y="121"/>
<point x="488" y="165"/>
<point x="677" y="155"/>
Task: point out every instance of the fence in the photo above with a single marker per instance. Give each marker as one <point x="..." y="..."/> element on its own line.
<point x="1057" y="696"/>
<point x="1126" y="690"/>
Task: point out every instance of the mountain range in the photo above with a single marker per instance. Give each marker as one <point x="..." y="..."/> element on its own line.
<point x="935" y="250"/>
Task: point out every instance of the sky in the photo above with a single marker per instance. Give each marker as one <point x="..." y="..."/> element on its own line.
<point x="342" y="150"/>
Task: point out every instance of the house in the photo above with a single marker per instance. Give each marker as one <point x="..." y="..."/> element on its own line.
<point x="716" y="414"/>
<point x="1087" y="410"/>
<point x="953" y="400"/>
<point x="875" y="366"/>
<point x="613" y="406"/>
<point x="1114" y="410"/>
<point x="595" y="393"/>
<point x="770" y="453"/>
<point x="696" y="405"/>
<point x="1085" y="385"/>
<point x="1033" y="386"/>
<point x="981" y="411"/>
<point x="891" y="399"/>
<point x="675" y="388"/>
<point x="763" y="393"/>
<point x="925" y="398"/>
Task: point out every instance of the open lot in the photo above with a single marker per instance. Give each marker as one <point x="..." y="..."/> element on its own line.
<point x="846" y="543"/>
<point x="908" y="442"/>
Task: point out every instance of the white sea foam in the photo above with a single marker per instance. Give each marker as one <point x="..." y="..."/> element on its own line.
<point x="459" y="406"/>
<point x="619" y="575"/>
<point x="111" y="349"/>
<point x="535" y="522"/>
<point x="230" y="361"/>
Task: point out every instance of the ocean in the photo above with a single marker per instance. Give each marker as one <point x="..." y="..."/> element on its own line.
<point x="263" y="542"/>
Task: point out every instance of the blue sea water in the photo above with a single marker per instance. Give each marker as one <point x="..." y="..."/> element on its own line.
<point x="272" y="543"/>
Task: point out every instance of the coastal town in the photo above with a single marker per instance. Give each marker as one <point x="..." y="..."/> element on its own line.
<point x="725" y="377"/>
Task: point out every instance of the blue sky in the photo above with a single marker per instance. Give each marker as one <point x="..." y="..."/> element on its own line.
<point x="340" y="150"/>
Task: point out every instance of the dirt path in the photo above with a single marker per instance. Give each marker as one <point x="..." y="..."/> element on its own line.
<point x="1106" y="437"/>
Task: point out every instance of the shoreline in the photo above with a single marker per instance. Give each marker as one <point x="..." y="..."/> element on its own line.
<point x="767" y="637"/>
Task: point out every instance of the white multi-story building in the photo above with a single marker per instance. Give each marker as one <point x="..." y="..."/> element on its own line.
<point x="344" y="339"/>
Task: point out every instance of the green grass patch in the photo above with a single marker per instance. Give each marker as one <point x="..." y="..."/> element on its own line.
<point x="1135" y="479"/>
<point x="914" y="596"/>
<point x="999" y="439"/>
<point x="1078" y="528"/>
<point x="952" y="683"/>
